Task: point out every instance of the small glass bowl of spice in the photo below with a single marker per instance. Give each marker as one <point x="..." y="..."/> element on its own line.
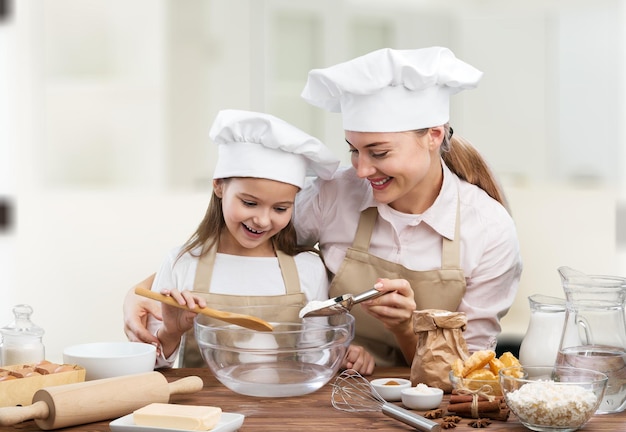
<point x="390" y="389"/>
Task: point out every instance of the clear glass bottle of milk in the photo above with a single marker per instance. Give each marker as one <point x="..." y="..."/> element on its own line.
<point x="540" y="345"/>
<point x="21" y="339"/>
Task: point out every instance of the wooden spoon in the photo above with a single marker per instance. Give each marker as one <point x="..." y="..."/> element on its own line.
<point x="246" y="321"/>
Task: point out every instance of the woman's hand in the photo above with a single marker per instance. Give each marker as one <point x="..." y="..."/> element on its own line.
<point x="359" y="360"/>
<point x="136" y="310"/>
<point x="395" y="311"/>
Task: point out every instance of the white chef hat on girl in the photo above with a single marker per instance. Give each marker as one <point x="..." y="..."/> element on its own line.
<point x="252" y="144"/>
<point x="392" y="90"/>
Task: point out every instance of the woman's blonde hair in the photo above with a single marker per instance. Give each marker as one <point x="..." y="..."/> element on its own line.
<point x="466" y="162"/>
<point x="208" y="232"/>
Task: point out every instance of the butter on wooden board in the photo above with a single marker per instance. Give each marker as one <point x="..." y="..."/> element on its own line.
<point x="173" y="416"/>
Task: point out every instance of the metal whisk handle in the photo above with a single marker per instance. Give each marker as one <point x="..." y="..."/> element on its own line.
<point x="412" y="419"/>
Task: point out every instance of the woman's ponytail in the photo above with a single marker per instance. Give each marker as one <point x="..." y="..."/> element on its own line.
<point x="466" y="162"/>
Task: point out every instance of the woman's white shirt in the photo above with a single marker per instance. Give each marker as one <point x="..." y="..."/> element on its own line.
<point x="328" y="211"/>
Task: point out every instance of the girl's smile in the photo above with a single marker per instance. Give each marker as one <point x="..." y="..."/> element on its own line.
<point x="254" y="211"/>
<point x="252" y="232"/>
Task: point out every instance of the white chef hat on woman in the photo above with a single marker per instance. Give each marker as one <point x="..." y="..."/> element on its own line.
<point x="252" y="144"/>
<point x="392" y="90"/>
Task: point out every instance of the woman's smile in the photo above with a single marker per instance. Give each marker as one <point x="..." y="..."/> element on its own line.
<point x="380" y="183"/>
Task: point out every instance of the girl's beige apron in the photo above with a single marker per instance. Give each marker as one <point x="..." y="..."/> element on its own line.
<point x="434" y="289"/>
<point x="190" y="354"/>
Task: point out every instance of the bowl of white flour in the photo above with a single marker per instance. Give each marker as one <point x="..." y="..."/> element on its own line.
<point x="550" y="398"/>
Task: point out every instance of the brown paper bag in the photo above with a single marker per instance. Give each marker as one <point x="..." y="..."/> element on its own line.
<point x="439" y="344"/>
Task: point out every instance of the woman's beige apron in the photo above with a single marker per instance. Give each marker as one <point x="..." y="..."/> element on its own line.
<point x="190" y="354"/>
<point x="434" y="289"/>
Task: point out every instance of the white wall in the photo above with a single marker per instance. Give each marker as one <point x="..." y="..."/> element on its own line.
<point x="8" y="159"/>
<point x="559" y="226"/>
<point x="84" y="250"/>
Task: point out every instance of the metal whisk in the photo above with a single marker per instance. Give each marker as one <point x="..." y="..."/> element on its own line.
<point x="353" y="393"/>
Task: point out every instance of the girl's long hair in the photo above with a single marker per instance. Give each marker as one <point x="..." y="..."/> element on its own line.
<point x="208" y="233"/>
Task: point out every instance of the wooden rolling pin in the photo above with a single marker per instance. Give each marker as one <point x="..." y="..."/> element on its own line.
<point x="90" y="401"/>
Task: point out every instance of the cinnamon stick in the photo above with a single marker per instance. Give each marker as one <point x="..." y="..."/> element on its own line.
<point x="457" y="398"/>
<point x="481" y="406"/>
<point x="502" y="414"/>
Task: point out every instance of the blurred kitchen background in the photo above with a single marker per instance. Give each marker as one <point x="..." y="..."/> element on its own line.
<point x="105" y="107"/>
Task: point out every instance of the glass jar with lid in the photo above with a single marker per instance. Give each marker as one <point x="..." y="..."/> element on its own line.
<point x="21" y="339"/>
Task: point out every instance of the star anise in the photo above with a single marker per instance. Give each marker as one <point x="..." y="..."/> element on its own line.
<point x="433" y="414"/>
<point x="452" y="418"/>
<point x="480" y="423"/>
<point x="448" y="425"/>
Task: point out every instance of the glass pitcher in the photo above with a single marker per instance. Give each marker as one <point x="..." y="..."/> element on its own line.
<point x="540" y="344"/>
<point x="594" y="334"/>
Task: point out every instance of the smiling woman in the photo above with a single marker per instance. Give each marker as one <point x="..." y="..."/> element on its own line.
<point x="416" y="221"/>
<point x="394" y="155"/>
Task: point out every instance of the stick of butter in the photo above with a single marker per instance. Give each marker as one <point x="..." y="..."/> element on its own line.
<point x="172" y="416"/>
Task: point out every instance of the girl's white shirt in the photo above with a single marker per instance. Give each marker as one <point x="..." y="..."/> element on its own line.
<point x="238" y="275"/>
<point x="262" y="275"/>
<point x="327" y="211"/>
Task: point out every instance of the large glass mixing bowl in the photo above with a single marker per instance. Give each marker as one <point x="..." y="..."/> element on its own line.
<point x="298" y="357"/>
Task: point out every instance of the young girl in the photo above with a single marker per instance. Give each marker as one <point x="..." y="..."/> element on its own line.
<point x="262" y="163"/>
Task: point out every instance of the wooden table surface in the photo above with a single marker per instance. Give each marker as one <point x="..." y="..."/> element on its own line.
<point x="312" y="412"/>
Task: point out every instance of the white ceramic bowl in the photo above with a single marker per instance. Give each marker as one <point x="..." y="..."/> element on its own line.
<point x="422" y="397"/>
<point x="298" y="357"/>
<point x="111" y="359"/>
<point x="390" y="389"/>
